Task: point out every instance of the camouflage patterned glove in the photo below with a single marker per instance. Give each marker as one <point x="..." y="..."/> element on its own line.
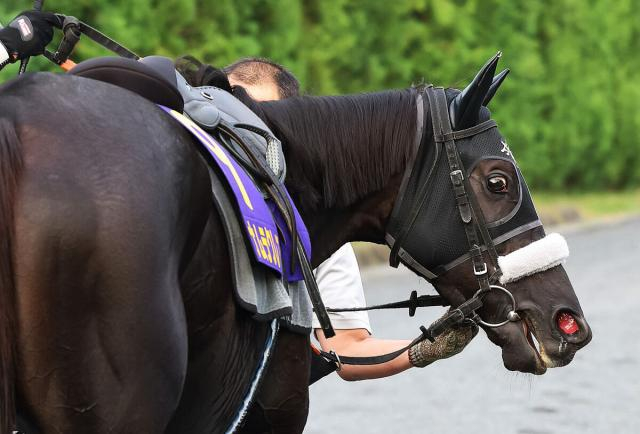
<point x="446" y="345"/>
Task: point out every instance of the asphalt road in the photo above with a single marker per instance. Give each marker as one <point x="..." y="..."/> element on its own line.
<point x="599" y="392"/>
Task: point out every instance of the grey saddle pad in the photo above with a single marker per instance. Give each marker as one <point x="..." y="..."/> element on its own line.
<point x="259" y="289"/>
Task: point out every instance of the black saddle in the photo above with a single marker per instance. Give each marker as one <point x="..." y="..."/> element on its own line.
<point x="156" y="79"/>
<point x="152" y="77"/>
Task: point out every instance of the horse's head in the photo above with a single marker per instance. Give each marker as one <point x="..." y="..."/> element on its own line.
<point x="465" y="220"/>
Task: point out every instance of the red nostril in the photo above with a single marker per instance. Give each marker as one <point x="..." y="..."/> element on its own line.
<point x="568" y="323"/>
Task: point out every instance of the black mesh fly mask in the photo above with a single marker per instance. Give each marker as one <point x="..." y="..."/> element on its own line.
<point x="437" y="223"/>
<point x="427" y="226"/>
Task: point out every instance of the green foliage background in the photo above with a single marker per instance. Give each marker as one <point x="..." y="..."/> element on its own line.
<point x="570" y="108"/>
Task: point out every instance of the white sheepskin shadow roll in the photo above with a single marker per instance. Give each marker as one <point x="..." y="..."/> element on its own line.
<point x="538" y="256"/>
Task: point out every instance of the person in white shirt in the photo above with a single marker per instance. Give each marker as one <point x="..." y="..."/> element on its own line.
<point x="338" y="277"/>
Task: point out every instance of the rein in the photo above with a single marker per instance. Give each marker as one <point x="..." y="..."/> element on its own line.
<point x="72" y="30"/>
<point x="412" y="304"/>
<point x="455" y="317"/>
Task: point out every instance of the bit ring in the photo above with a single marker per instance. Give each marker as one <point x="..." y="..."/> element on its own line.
<point x="512" y="316"/>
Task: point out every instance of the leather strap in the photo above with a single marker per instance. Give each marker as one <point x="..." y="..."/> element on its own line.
<point x="412" y="304"/>
<point x="461" y="188"/>
<point x="469" y="132"/>
<point x="280" y="197"/>
<point x="372" y="360"/>
<point x="454" y="317"/>
<point x="107" y="42"/>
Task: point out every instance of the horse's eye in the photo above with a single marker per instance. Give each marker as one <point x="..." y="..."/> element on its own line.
<point x="497" y="184"/>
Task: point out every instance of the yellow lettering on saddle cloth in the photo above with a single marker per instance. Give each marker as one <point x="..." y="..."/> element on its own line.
<point x="215" y="148"/>
<point x="266" y="243"/>
<point x="274" y="242"/>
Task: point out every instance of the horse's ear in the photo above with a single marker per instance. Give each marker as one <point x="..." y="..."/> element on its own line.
<point x="464" y="110"/>
<point x="497" y="81"/>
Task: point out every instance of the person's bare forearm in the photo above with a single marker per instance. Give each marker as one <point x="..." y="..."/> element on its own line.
<point x="360" y="343"/>
<point x="375" y="347"/>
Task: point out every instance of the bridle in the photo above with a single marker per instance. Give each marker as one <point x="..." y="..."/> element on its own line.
<point x="475" y="227"/>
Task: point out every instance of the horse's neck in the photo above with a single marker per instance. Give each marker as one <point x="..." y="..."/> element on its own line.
<point x="364" y="220"/>
<point x="345" y="162"/>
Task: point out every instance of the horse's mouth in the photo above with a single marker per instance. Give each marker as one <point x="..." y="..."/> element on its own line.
<point x="542" y="360"/>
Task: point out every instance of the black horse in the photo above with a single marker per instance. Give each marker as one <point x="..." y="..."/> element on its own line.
<point x="116" y="313"/>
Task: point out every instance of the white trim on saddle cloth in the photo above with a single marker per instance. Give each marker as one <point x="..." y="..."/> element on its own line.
<point x="538" y="256"/>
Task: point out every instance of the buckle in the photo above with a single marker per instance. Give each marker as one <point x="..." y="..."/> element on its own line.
<point x="337" y="362"/>
<point x="480" y="272"/>
<point x="457" y="177"/>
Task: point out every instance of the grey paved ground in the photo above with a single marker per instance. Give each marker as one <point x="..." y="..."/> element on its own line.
<point x="599" y="392"/>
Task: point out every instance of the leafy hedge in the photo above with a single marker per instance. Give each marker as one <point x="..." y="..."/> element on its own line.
<point x="570" y="107"/>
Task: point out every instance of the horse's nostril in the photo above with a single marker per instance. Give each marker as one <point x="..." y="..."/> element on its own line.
<point x="567" y="323"/>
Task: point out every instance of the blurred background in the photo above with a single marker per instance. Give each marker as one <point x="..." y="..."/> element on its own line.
<point x="571" y="112"/>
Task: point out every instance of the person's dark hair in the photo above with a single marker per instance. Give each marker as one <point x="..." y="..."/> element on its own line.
<point x="254" y="70"/>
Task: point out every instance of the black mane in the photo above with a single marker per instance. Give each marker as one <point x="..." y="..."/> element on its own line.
<point x="341" y="148"/>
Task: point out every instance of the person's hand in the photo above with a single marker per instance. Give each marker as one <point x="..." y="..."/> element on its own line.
<point x="28" y="34"/>
<point x="448" y="344"/>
